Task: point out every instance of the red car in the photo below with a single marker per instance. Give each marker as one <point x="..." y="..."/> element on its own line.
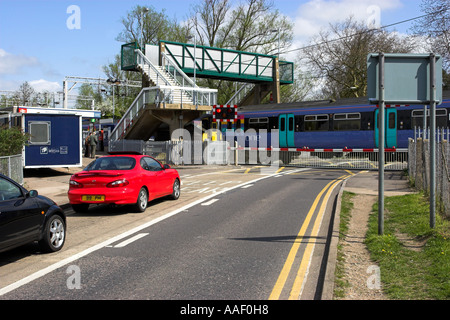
<point x="123" y="179"/>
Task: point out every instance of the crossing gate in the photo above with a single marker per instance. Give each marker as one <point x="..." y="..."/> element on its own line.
<point x="353" y="159"/>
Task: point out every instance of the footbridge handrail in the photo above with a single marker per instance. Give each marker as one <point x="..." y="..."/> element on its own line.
<point x="167" y="59"/>
<point x="160" y="95"/>
<point x="141" y="56"/>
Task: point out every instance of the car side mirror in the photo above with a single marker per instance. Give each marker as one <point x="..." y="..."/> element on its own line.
<point x="166" y="166"/>
<point x="32" y="194"/>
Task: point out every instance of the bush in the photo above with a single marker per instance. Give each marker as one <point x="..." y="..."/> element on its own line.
<point x="12" y="140"/>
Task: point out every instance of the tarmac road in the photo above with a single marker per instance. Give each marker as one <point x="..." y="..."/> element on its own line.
<point x="199" y="185"/>
<point x="253" y="241"/>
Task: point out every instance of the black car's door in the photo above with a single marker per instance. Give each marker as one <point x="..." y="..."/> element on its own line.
<point x="20" y="216"/>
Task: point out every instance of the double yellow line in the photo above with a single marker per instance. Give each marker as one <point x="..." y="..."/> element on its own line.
<point x="305" y="259"/>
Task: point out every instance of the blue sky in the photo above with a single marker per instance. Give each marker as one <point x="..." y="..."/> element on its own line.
<point x="37" y="46"/>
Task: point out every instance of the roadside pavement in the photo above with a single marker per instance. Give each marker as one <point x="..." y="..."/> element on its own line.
<point x="357" y="259"/>
<point x="366" y="182"/>
<point x="52" y="182"/>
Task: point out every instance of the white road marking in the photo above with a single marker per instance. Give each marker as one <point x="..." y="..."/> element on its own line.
<point x="59" y="264"/>
<point x="210" y="202"/>
<point x="132" y="239"/>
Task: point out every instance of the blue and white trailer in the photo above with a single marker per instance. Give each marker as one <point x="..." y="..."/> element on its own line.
<point x="56" y="135"/>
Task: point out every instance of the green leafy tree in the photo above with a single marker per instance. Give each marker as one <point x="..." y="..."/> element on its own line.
<point x="12" y="140"/>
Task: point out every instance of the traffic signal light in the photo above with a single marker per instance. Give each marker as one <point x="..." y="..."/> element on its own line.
<point x="225" y="113"/>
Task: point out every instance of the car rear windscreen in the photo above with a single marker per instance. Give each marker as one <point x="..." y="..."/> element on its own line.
<point x="112" y="163"/>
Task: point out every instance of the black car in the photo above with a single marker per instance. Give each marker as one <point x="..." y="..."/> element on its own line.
<point x="26" y="217"/>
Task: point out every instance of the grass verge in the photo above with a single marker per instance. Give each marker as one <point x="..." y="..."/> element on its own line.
<point x="414" y="259"/>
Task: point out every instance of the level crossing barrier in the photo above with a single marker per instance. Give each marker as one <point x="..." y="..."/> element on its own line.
<point x="354" y="159"/>
<point x="221" y="153"/>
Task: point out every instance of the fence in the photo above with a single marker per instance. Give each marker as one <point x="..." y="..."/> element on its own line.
<point x="419" y="169"/>
<point x="12" y="167"/>
<point x="221" y="153"/>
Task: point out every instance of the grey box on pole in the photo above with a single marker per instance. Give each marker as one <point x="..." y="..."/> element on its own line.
<point x="407" y="78"/>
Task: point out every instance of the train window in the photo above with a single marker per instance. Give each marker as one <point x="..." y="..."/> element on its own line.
<point x="258" y="123"/>
<point x="291" y="124"/>
<point x="282" y="124"/>
<point x="316" y="122"/>
<point x="441" y="118"/>
<point x="258" y="120"/>
<point x="391" y="120"/>
<point x="347" y="121"/>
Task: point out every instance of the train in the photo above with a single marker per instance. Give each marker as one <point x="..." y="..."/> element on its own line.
<point x="342" y="124"/>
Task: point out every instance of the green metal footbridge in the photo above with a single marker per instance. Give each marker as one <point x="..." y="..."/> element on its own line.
<point x="169" y="94"/>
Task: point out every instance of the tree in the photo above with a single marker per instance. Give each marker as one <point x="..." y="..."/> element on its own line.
<point x="253" y="26"/>
<point x="25" y="94"/>
<point x="338" y="56"/>
<point x="435" y="26"/>
<point x="12" y="140"/>
<point x="123" y="95"/>
<point x="155" y="26"/>
<point x="86" y="96"/>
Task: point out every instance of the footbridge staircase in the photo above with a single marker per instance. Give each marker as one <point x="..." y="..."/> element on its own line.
<point x="171" y="96"/>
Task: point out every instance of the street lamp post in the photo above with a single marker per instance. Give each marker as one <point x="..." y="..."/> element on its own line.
<point x="144" y="10"/>
<point x="278" y="33"/>
<point x="195" y="66"/>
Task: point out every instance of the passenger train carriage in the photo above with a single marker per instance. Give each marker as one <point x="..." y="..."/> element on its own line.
<point x="348" y="123"/>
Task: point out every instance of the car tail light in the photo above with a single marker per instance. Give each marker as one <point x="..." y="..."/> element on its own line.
<point x="118" y="183"/>
<point x="75" y="184"/>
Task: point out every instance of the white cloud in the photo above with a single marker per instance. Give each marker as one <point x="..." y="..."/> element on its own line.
<point x="12" y="64"/>
<point x="315" y="15"/>
<point x="44" y="85"/>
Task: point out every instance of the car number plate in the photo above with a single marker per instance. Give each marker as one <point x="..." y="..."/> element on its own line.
<point x="92" y="198"/>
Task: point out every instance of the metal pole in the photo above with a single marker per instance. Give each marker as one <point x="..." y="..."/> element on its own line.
<point x="114" y="105"/>
<point x="195" y="68"/>
<point x="381" y="121"/>
<point x="65" y="94"/>
<point x="432" y="140"/>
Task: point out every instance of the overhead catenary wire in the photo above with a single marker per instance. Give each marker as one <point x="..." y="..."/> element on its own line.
<point x="366" y="31"/>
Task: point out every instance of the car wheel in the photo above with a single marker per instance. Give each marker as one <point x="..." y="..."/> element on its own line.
<point x="176" y="190"/>
<point x="142" y="200"/>
<point x="54" y="234"/>
<point x="80" y="207"/>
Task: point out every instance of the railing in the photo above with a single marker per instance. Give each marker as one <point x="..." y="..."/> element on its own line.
<point x="171" y="67"/>
<point x="229" y="64"/>
<point x="144" y="61"/>
<point x="441" y="134"/>
<point x="128" y="56"/>
<point x="240" y="94"/>
<point x="161" y="96"/>
<point x="353" y="159"/>
<point x="419" y="169"/>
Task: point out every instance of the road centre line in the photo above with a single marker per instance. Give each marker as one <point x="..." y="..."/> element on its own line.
<point x="297" y="287"/>
<point x="59" y="264"/>
<point x="282" y="278"/>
